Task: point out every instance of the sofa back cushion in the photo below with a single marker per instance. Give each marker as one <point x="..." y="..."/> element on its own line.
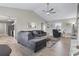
<point x="39" y="33"/>
<point x="30" y="36"/>
<point x="24" y="35"/>
<point x="35" y="32"/>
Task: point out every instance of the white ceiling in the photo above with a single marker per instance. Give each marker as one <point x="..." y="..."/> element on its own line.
<point x="63" y="10"/>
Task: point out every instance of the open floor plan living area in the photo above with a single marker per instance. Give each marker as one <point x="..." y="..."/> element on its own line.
<point x="39" y="29"/>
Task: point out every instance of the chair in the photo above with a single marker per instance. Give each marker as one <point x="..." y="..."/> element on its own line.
<point x="56" y="33"/>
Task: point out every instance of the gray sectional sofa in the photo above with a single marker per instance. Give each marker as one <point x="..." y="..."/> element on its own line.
<point x="34" y="40"/>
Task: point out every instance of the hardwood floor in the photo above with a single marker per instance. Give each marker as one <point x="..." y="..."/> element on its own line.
<point x="61" y="48"/>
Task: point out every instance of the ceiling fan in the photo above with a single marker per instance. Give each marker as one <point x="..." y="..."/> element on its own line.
<point x="49" y="10"/>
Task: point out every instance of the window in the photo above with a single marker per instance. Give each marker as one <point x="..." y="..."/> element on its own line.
<point x="58" y="25"/>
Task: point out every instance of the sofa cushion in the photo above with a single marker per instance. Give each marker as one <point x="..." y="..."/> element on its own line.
<point x="35" y="32"/>
<point x="30" y="36"/>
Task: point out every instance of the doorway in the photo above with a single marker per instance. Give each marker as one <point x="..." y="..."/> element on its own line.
<point x="7" y="28"/>
<point x="10" y="27"/>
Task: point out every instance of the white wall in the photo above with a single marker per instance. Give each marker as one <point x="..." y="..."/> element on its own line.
<point x="23" y="17"/>
<point x="67" y="27"/>
<point x="63" y="22"/>
<point x="2" y="28"/>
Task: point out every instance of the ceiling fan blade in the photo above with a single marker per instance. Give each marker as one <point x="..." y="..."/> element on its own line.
<point x="51" y="9"/>
<point x="52" y="12"/>
<point x="44" y="11"/>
